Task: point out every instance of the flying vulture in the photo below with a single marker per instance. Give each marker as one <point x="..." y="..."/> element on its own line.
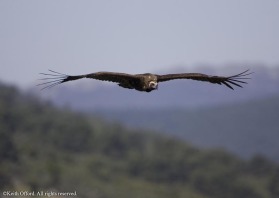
<point x="143" y="82"/>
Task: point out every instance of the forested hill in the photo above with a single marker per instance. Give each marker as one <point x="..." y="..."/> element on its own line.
<point x="55" y="150"/>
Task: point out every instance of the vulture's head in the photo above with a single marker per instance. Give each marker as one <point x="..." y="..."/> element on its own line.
<point x="151" y="82"/>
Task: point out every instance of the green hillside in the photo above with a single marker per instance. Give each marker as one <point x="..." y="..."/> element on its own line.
<point x="55" y="150"/>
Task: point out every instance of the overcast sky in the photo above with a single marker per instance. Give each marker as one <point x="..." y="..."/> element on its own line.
<point x="132" y="36"/>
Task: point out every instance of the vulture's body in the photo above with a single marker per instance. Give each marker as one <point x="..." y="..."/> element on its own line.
<point x="144" y="82"/>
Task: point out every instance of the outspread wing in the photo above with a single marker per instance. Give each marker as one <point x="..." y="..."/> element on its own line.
<point x="230" y="81"/>
<point x="55" y="78"/>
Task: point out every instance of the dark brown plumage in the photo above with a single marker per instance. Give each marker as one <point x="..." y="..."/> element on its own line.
<point x="144" y="82"/>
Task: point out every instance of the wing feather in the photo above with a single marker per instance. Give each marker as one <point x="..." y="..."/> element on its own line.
<point x="55" y="78"/>
<point x="236" y="80"/>
<point x="113" y="77"/>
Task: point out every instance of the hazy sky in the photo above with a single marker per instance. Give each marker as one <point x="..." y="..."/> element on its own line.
<point x="78" y="37"/>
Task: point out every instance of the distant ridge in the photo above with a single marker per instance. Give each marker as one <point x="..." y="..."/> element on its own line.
<point x="245" y="128"/>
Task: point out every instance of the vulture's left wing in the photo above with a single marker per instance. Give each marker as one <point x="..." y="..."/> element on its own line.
<point x="236" y="80"/>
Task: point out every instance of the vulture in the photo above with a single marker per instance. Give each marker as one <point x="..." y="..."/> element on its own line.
<point x="146" y="82"/>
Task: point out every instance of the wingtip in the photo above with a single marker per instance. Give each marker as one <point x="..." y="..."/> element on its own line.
<point x="52" y="79"/>
<point x="238" y="78"/>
